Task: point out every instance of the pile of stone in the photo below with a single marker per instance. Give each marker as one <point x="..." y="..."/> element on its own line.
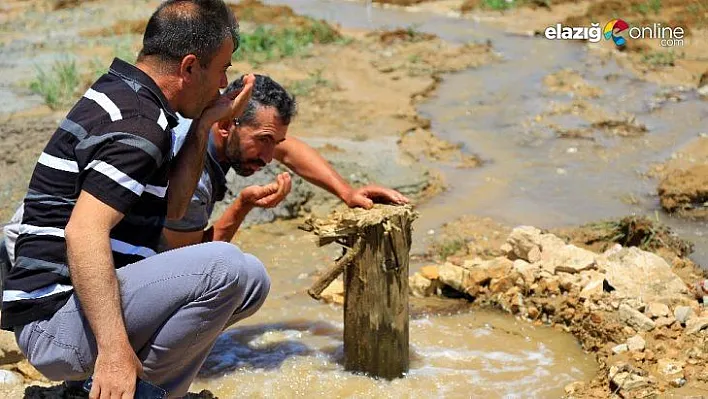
<point x="626" y="305"/>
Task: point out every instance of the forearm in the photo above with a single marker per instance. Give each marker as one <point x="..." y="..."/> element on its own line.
<point x="306" y="162"/>
<point x="186" y="170"/>
<point x="225" y="228"/>
<point x="94" y="279"/>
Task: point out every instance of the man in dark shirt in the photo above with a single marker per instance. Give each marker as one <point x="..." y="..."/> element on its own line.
<point x="88" y="295"/>
<point x="258" y="137"/>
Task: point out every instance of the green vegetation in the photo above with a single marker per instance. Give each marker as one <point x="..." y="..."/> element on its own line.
<point x="271" y="44"/>
<point x="653" y="6"/>
<point x="448" y="247"/>
<point x="312" y="82"/>
<point x="637" y="231"/>
<point x="499" y="5"/>
<point x="58" y="85"/>
<point x="660" y="58"/>
<point x="97" y="66"/>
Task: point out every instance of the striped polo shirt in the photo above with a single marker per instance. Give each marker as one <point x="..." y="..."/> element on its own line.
<point x="115" y="144"/>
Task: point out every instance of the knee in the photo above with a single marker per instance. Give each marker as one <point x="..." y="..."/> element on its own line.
<point x="239" y="269"/>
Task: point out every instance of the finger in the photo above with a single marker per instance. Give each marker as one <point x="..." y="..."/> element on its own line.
<point x="241" y="100"/>
<point x="95" y="392"/>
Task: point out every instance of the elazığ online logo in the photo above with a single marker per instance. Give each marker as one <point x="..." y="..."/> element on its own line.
<point x="667" y="35"/>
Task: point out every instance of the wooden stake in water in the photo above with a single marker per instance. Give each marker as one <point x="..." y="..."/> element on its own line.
<point x="375" y="284"/>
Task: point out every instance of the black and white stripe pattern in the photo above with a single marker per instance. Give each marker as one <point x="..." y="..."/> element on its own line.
<point x="114" y="144"/>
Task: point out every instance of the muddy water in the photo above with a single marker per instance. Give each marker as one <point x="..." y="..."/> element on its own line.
<point x="531" y="176"/>
<point x="293" y="346"/>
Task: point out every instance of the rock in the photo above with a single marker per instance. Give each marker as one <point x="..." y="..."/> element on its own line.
<point x="550" y="243"/>
<point x="506" y="249"/>
<point x="696" y="324"/>
<point x="665" y="321"/>
<point x="8" y="346"/>
<point x="568" y="259"/>
<point x="420" y="286"/>
<point x="634" y="273"/>
<point x="628" y="381"/>
<point x="534" y="255"/>
<point x="9" y="378"/>
<point x="671" y="370"/>
<point x="635" y="319"/>
<point x="525" y="239"/>
<point x="334" y="293"/>
<point x="533" y="312"/>
<point x="29" y="371"/>
<point x="657" y="309"/>
<point x="683" y="314"/>
<point x="498" y="267"/>
<point x="553" y="285"/>
<point x="567" y="281"/>
<point x="636" y="343"/>
<point x="455" y="276"/>
<point x="620" y="349"/>
<point x="593" y="288"/>
<point x="574" y="387"/>
<point x="526" y="270"/>
<point x="501" y="285"/>
<point x="430" y="272"/>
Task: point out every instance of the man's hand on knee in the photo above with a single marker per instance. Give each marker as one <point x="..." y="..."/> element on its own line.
<point x="115" y="373"/>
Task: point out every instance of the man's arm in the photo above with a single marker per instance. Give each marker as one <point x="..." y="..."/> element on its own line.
<point x="225" y="228"/>
<point x="186" y="169"/>
<point x="94" y="279"/>
<point x="306" y="162"/>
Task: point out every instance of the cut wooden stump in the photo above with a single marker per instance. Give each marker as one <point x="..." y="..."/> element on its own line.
<point x="375" y="285"/>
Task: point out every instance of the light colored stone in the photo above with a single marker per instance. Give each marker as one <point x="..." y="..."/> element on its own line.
<point x="524" y="239"/>
<point x="568" y="281"/>
<point x="568" y="259"/>
<point x="498" y="267"/>
<point x="665" y="321"/>
<point x="670" y="369"/>
<point x="8" y="345"/>
<point x="574" y="387"/>
<point x="635" y="319"/>
<point x="506" y="248"/>
<point x="696" y="324"/>
<point x="9" y="378"/>
<point x="334" y="293"/>
<point x="550" y="243"/>
<point x="534" y="255"/>
<point x="639" y="274"/>
<point x="657" y="309"/>
<point x="498" y="286"/>
<point x="420" y="286"/>
<point x="620" y="349"/>
<point x="683" y="314"/>
<point x="629" y="381"/>
<point x="430" y="272"/>
<point x="526" y="270"/>
<point x="636" y="343"/>
<point x="594" y="287"/>
<point x="454" y="276"/>
<point x="29" y="371"/>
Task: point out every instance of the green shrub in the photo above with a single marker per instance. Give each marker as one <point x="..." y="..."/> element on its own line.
<point x="58" y="85"/>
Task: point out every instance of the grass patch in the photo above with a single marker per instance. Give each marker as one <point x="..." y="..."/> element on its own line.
<point x="650" y="6"/>
<point x="659" y="58"/>
<point x="449" y="247"/>
<point x="312" y="82"/>
<point x="59" y="84"/>
<point x="271" y="44"/>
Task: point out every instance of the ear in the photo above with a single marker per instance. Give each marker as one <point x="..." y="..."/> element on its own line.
<point x="222" y="128"/>
<point x="187" y="67"/>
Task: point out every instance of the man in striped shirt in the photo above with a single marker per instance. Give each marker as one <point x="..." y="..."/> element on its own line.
<point x="88" y="295"/>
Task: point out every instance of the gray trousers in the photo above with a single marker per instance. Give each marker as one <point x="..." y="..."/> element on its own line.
<point x="175" y="304"/>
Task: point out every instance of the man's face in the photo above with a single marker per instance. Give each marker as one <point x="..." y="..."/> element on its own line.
<point x="251" y="147"/>
<point x="208" y="80"/>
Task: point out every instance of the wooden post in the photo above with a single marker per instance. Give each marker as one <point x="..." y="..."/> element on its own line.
<point x="375" y="284"/>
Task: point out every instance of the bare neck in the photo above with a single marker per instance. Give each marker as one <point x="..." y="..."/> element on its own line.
<point x="166" y="81"/>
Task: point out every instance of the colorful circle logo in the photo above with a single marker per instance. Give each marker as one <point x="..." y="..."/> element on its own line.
<point x="612" y="28"/>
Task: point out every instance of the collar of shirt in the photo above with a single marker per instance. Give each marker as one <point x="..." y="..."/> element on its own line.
<point x="130" y="72"/>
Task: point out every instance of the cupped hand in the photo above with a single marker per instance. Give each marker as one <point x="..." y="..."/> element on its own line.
<point x="366" y="196"/>
<point x="267" y="196"/>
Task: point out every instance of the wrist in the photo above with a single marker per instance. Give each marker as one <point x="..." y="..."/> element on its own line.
<point x="346" y="193"/>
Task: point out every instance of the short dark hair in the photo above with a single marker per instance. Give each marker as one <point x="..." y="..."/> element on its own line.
<point x="266" y="93"/>
<point x="182" y="27"/>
